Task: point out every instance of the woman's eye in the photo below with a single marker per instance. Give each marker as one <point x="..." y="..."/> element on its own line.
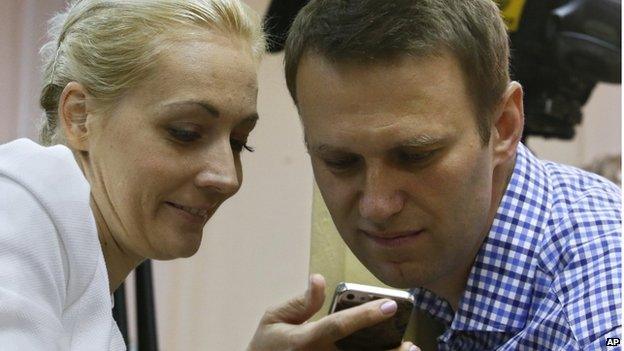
<point x="183" y="135"/>
<point x="239" y="145"/>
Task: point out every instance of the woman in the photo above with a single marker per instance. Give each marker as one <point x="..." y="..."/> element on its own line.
<point x="149" y="104"/>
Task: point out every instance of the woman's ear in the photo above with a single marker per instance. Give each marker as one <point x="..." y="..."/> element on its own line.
<point x="508" y="123"/>
<point x="73" y="114"/>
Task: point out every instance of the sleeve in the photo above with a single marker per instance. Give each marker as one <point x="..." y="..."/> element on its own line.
<point x="32" y="273"/>
<point x="589" y="291"/>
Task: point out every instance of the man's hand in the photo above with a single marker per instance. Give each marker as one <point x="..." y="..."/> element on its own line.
<point x="285" y="328"/>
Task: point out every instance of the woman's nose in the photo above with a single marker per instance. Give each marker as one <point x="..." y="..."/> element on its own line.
<point x="219" y="172"/>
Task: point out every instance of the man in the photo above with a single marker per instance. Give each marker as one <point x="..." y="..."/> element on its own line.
<point x="413" y="128"/>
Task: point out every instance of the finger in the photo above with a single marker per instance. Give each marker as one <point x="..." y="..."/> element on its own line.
<point x="316" y="294"/>
<point x="407" y="346"/>
<point x="340" y="324"/>
<point x="300" y="308"/>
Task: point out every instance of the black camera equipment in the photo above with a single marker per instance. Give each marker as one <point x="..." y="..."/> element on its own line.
<point x="560" y="50"/>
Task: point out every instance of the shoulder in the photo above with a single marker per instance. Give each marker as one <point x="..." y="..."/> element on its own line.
<point x="21" y="151"/>
<point x="40" y="168"/>
<point x="24" y="216"/>
<point x="584" y="208"/>
<point x="49" y="179"/>
<point x="584" y="221"/>
<point x="51" y="176"/>
<point x="581" y="250"/>
<point x="25" y="224"/>
<point x="33" y="267"/>
<point x="577" y="191"/>
<point x="585" y="211"/>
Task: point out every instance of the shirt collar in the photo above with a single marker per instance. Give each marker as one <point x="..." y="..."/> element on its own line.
<point x="498" y="293"/>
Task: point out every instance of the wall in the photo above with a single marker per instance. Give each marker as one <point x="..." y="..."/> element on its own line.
<point x="22" y="31"/>
<point x="599" y="135"/>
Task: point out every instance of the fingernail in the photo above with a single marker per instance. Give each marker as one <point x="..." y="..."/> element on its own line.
<point x="389" y="307"/>
<point x="414" y="348"/>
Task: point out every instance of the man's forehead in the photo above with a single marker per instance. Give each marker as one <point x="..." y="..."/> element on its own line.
<point x="407" y="77"/>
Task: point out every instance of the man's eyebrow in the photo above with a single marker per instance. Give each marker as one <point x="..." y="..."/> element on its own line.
<point x="419" y="141"/>
<point x="326" y="148"/>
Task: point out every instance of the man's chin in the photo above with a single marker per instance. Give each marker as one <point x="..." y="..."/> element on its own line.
<point x="398" y="275"/>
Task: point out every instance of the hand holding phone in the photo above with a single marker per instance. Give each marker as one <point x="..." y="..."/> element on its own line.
<point x="286" y="327"/>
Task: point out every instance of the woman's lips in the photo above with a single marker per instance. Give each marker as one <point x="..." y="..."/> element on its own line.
<point x="392" y="239"/>
<point x="194" y="215"/>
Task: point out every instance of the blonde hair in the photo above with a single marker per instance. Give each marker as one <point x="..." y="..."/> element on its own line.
<point x="109" y="46"/>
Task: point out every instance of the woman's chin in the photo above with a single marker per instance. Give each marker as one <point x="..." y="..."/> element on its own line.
<point x="176" y="249"/>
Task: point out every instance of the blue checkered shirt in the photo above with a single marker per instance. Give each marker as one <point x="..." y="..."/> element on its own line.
<point x="548" y="275"/>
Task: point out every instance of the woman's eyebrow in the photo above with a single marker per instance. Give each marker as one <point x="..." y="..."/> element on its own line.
<point x="211" y="109"/>
<point x="207" y="106"/>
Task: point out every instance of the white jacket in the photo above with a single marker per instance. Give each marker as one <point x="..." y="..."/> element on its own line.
<point x="54" y="292"/>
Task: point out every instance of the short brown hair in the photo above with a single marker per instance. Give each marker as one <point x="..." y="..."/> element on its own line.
<point x="369" y="31"/>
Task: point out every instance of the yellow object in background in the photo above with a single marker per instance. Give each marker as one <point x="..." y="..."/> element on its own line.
<point x="331" y="257"/>
<point x="512" y="13"/>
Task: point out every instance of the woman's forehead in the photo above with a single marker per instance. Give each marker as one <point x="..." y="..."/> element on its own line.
<point x="199" y="71"/>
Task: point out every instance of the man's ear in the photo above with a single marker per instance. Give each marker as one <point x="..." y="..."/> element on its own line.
<point x="73" y="115"/>
<point x="508" y="123"/>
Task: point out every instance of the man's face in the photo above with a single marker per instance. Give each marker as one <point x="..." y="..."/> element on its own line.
<point x="400" y="164"/>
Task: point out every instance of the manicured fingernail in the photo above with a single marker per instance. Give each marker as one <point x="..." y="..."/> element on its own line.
<point x="414" y="348"/>
<point x="389" y="307"/>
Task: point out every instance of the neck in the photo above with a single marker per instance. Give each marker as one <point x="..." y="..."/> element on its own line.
<point x="452" y="288"/>
<point x="119" y="262"/>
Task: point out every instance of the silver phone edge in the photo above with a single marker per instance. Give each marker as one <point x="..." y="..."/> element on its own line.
<point x="392" y="293"/>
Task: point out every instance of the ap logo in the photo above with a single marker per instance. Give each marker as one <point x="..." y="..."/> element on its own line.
<point x="613" y="341"/>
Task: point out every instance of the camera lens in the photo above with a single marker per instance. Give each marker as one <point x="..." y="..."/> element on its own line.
<point x="350" y="296"/>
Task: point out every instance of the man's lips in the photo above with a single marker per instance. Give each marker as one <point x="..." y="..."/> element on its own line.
<point x="392" y="239"/>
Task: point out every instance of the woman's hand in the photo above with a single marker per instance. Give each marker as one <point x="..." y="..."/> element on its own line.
<point x="285" y="327"/>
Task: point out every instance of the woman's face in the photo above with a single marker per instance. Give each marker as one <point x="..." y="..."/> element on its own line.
<point x="168" y="154"/>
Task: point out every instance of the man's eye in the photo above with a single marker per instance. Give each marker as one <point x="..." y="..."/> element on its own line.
<point x="239" y="145"/>
<point x="182" y="135"/>
<point x="340" y="164"/>
<point x="409" y="157"/>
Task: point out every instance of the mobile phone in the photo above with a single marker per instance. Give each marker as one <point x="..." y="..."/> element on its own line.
<point x="383" y="336"/>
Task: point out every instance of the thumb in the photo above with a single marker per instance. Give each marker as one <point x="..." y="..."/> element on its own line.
<point x="300" y="308"/>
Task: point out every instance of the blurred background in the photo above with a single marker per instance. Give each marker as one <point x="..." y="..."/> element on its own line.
<point x="256" y="249"/>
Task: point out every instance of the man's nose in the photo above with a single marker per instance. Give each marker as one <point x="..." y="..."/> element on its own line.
<point x="381" y="198"/>
<point x="218" y="172"/>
